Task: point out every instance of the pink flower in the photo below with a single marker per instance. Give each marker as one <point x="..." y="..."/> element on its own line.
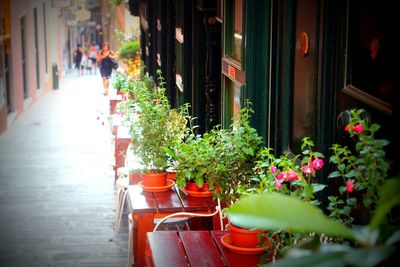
<point x="307" y="169"/>
<point x="358" y="128"/>
<point x="273" y="169"/>
<point x="288" y="176"/>
<point x="350" y="186"/>
<point x="278" y="184"/>
<point x="317" y="163"/>
<point x="258" y="170"/>
<point x="347" y="128"/>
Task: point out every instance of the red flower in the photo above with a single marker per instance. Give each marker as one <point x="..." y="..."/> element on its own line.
<point x="288" y="176"/>
<point x="350" y="186"/>
<point x="258" y="170"/>
<point x="317" y="163"/>
<point x="358" y="128"/>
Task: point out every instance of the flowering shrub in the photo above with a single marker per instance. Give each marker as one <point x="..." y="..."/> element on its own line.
<point x="362" y="169"/>
<point x="289" y="174"/>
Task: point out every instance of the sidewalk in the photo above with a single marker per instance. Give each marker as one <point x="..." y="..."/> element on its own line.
<point x="57" y="194"/>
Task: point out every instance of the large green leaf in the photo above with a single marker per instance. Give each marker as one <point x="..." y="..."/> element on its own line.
<point x="329" y="256"/>
<point x="276" y="211"/>
<point x="389" y="197"/>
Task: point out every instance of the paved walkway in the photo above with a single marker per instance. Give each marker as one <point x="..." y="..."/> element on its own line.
<point x="57" y="193"/>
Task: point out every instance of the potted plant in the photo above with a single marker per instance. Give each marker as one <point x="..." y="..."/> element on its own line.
<point x="193" y="159"/>
<point x="236" y="150"/>
<point x="326" y="242"/>
<point x="158" y="127"/>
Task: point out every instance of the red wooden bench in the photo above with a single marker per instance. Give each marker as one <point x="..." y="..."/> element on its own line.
<point x="193" y="248"/>
<point x="145" y="207"/>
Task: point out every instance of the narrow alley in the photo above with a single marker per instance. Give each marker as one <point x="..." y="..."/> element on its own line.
<point x="57" y="194"/>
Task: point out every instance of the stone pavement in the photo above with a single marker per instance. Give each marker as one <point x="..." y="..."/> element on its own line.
<point x="57" y="193"/>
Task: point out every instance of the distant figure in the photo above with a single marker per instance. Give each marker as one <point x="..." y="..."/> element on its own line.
<point x="92" y="54"/>
<point x="78" y="58"/>
<point x="104" y="59"/>
<point x="89" y="66"/>
<point x="84" y="63"/>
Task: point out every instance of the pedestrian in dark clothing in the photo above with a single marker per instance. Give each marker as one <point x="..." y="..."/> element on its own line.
<point x="104" y="59"/>
<point x="78" y="58"/>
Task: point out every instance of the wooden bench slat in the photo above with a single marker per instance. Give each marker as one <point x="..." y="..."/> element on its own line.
<point x="165" y="249"/>
<point x="197" y="203"/>
<point x="141" y="202"/>
<point x="168" y="201"/>
<point x="201" y="249"/>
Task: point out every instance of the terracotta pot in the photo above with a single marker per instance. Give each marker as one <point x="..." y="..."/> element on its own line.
<point x="154" y="179"/>
<point x="171" y="175"/>
<point x="191" y="186"/>
<point x="244" y="238"/>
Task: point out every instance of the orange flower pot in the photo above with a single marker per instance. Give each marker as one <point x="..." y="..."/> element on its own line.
<point x="154" y="179"/>
<point x="245" y="238"/>
<point x="191" y="186"/>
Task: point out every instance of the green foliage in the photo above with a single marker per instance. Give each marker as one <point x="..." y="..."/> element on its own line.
<point x="272" y="173"/>
<point x="236" y="150"/>
<point x="193" y="157"/>
<point x="129" y="49"/>
<point x="120" y="81"/>
<point x="115" y="3"/>
<point x="277" y="211"/>
<point x="159" y="126"/>
<point x="362" y="169"/>
<point x="373" y="245"/>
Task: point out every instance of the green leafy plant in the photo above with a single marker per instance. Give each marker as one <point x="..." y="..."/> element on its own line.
<point x="120" y="81"/>
<point x="193" y="156"/>
<point x="236" y="149"/>
<point x="362" y="169"/>
<point x="371" y="245"/>
<point x="129" y="49"/>
<point x="158" y="127"/>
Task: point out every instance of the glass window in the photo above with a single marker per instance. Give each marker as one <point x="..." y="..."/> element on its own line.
<point x="232" y="100"/>
<point x="237" y="35"/>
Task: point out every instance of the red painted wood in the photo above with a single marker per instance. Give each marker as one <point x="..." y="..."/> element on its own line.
<point x="142" y="224"/>
<point x="198" y="203"/>
<point x="201" y="249"/>
<point x="233" y="259"/>
<point x="143" y="202"/>
<point x="168" y="201"/>
<point x="165" y="249"/>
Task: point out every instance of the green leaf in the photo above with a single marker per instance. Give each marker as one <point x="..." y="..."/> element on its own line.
<point x="389" y="197"/>
<point x="316" y="259"/>
<point x="276" y="211"/>
<point x="334" y="174"/>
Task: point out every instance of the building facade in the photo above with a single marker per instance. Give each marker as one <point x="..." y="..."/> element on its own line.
<point x="301" y="63"/>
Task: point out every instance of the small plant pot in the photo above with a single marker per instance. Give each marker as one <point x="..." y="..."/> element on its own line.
<point x="154" y="179"/>
<point x="191" y="186"/>
<point x="171" y="175"/>
<point x="245" y="238"/>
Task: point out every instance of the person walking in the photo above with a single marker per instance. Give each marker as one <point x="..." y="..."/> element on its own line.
<point x="92" y="54"/>
<point x="84" y="63"/>
<point x="104" y="58"/>
<point x="78" y="58"/>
